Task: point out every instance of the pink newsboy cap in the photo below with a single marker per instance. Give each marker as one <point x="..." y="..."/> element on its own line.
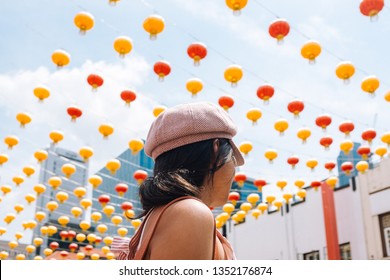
<point x="189" y="123"/>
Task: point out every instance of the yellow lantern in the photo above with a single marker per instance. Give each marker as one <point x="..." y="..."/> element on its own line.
<point x="3" y="159"/>
<point x="281" y="126"/>
<point x="287" y="196"/>
<point x="236" y="5"/>
<point x="228" y="208"/>
<point x="38" y="258"/>
<point x="101" y="228"/>
<point x="68" y="169"/>
<point x="20" y="257"/>
<point x="18" y="208"/>
<point x="95" y="256"/>
<point x="110" y="256"/>
<point x="30" y="198"/>
<point x="52" y="206"/>
<point x="54" y="182"/>
<point x="270" y="198"/>
<point x="60" y="58"/>
<point x="254" y="115"/>
<point x="136" y="223"/>
<point x="18" y="235"/>
<point x="80" y="192"/>
<point x="86" y="153"/>
<point x="96" y="216"/>
<point x="271" y="154"/>
<point x="3" y="255"/>
<point x="25" y="225"/>
<point x="105" y="250"/>
<point x="362" y="166"/>
<point x="76" y="211"/>
<point x="80" y="256"/>
<point x="194" y="86"/>
<point x="40" y="216"/>
<point x="80" y="237"/>
<point x="346" y="146"/>
<point x="51" y="230"/>
<point x="47" y="252"/>
<point x="39" y="189"/>
<point x="113" y="166"/>
<point x="312" y="163"/>
<point x="241" y="215"/>
<point x="129" y="214"/>
<point x="246" y="147"/>
<point x="23" y="119"/>
<point x="38" y="241"/>
<point x="18" y="180"/>
<point x="106" y="130"/>
<point x="381" y="151"/>
<point x="262" y="207"/>
<point x="386" y="138"/>
<point x="11" y="141"/>
<point x="253" y="198"/>
<point x="56" y="136"/>
<point x="281" y="184"/>
<point x="311" y="50"/>
<point x="332" y="181"/>
<point x="108" y="240"/>
<point x="157" y="110"/>
<point x="154" y="25"/>
<point x="62" y="197"/>
<point x="6" y="189"/>
<point x="63" y="220"/>
<point x="136" y="145"/>
<point x="387" y="96"/>
<point x="299" y="183"/>
<point x="2" y="231"/>
<point x="345" y="71"/>
<point x="86" y="203"/>
<point x="13" y="244"/>
<point x="41" y="155"/>
<point x="108" y="210"/>
<point x="95" y="181"/>
<point x="370" y="84"/>
<point x="301" y="193"/>
<point x="44" y="230"/>
<point x="84" y="225"/>
<point x="122" y="231"/>
<point x="116" y="220"/>
<point x="233" y="74"/>
<point x="84" y="21"/>
<point x="303" y="134"/>
<point x="31" y="224"/>
<point x="278" y="204"/>
<point x="256" y="213"/>
<point x="223" y="217"/>
<point x="41" y="93"/>
<point x="91" y="238"/>
<point x="123" y="45"/>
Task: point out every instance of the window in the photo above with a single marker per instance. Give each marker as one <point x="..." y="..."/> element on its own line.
<point x="384" y="221"/>
<point x="313" y="255"/>
<point x="345" y="251"/>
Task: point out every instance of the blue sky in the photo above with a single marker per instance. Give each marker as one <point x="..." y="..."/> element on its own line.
<point x="32" y="30"/>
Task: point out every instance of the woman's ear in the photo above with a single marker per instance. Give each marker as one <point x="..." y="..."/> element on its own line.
<point x="215" y="145"/>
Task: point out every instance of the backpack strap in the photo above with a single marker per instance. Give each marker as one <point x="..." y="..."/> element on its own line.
<point x="153" y="218"/>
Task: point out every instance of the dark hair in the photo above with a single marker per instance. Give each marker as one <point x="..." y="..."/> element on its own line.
<point x="182" y="171"/>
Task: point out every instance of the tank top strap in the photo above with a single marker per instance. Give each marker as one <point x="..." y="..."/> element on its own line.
<point x="153" y="218"/>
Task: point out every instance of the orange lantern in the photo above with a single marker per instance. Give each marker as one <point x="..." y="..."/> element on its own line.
<point x="197" y="51"/>
<point x="233" y="74"/>
<point x="240" y="178"/>
<point x="136" y="145"/>
<point x="299" y="183"/>
<point x="381" y="151"/>
<point x="194" y="86"/>
<point x="52" y="206"/>
<point x="236" y="5"/>
<point x="386" y="138"/>
<point x="326" y="142"/>
<point x="80" y="192"/>
<point x="287" y="196"/>
<point x="18" y="180"/>
<point x="157" y="110"/>
<point x="121" y="189"/>
<point x="3" y="159"/>
<point x="323" y="121"/>
<point x="60" y="58"/>
<point x="281" y="184"/>
<point x="128" y="96"/>
<point x="271" y="154"/>
<point x="95" y="81"/>
<point x="113" y="166"/>
<point x="39" y="189"/>
<point x="312" y="163"/>
<point x="260" y="183"/>
<point x="296" y="107"/>
<point x="362" y="166"/>
<point x="226" y="102"/>
<point x="86" y="153"/>
<point x="28" y="170"/>
<point x="41" y="93"/>
<point x="346" y="146"/>
<point x="6" y="189"/>
<point x="293" y="161"/>
<point x="11" y="141"/>
<point x="369" y="135"/>
<point x="62" y="197"/>
<point x="41" y="155"/>
<point x="123" y="45"/>
<point x="106" y="130"/>
<point x="154" y="25"/>
<point x="281" y="126"/>
<point x="265" y="92"/>
<point x="68" y="169"/>
<point x="76" y="211"/>
<point x="254" y="115"/>
<point x="23" y="119"/>
<point x="30" y="198"/>
<point x="364" y="151"/>
<point x="311" y="50"/>
<point x="84" y="21"/>
<point x="54" y="182"/>
<point x="162" y="69"/>
<point x="347" y="167"/>
<point x="56" y="136"/>
<point x="370" y="84"/>
<point x="345" y="71"/>
<point x="279" y="29"/>
<point x="74" y="112"/>
<point x="371" y="8"/>
<point x="245" y="147"/>
<point x="140" y="176"/>
<point x="95" y="181"/>
<point x="303" y="134"/>
<point x="301" y="194"/>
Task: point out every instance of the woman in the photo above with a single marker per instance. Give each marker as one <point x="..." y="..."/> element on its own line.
<point x="195" y="162"/>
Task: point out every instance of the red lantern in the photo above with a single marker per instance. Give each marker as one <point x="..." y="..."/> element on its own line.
<point x="240" y="178"/>
<point x="315" y="184"/>
<point x="73" y="247"/>
<point x="296" y="107"/>
<point x="95" y="81"/>
<point x="74" y="112"/>
<point x="347" y="167"/>
<point x="371" y="8"/>
<point x="364" y="151"/>
<point x="71" y="235"/>
<point x="197" y="51"/>
<point x="128" y="96"/>
<point x="293" y="160"/>
<point x="226" y="102"/>
<point x="279" y="29"/>
<point x="121" y="189"/>
<point x="104" y="199"/>
<point x="64" y="234"/>
<point x="346" y="127"/>
<point x="54" y="245"/>
<point x="265" y="92"/>
<point x="260" y="183"/>
<point x="140" y="176"/>
<point x="326" y="142"/>
<point x="64" y="254"/>
<point x="88" y="248"/>
<point x="126" y="206"/>
<point x="162" y="69"/>
<point x="234" y="197"/>
<point x="369" y="135"/>
<point x="323" y="121"/>
<point x="98" y="239"/>
<point x="330" y="165"/>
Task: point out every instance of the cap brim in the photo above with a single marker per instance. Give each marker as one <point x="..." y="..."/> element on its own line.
<point x="237" y="154"/>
